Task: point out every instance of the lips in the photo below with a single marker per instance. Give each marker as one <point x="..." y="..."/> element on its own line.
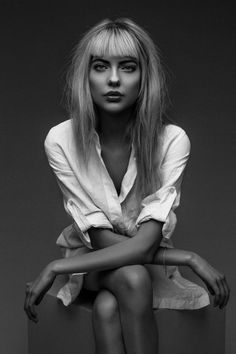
<point x="113" y="94"/>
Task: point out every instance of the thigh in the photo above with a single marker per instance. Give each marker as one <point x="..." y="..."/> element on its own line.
<point x="96" y="281"/>
<point x="92" y="280"/>
<point x="132" y="277"/>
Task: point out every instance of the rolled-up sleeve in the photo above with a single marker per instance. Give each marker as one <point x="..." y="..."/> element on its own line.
<point x="161" y="204"/>
<point x="77" y="202"/>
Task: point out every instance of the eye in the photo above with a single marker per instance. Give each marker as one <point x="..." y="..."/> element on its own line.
<point x="99" y="67"/>
<point x="129" y="68"/>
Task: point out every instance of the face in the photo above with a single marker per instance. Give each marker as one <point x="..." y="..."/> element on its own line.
<point x="114" y="82"/>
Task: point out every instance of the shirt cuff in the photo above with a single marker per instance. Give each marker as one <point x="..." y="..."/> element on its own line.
<point x="84" y="222"/>
<point x="158" y="206"/>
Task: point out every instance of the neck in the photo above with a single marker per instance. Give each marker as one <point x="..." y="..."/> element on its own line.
<point x="112" y="127"/>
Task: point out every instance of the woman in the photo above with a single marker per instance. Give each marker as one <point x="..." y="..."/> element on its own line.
<point x="119" y="165"/>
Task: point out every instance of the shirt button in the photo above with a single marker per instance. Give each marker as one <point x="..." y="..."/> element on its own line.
<point x="172" y="189"/>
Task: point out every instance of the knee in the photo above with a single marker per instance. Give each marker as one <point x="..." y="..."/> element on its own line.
<point x="105" y="307"/>
<point x="135" y="279"/>
<point x="135" y="292"/>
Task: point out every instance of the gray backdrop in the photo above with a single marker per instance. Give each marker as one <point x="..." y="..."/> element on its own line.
<point x="196" y="39"/>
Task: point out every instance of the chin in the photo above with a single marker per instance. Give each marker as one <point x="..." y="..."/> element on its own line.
<point x="114" y="108"/>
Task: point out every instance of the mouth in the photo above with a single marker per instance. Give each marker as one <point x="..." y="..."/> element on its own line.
<point x="114" y="94"/>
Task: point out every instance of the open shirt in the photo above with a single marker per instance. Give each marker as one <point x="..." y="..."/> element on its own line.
<point x="91" y="199"/>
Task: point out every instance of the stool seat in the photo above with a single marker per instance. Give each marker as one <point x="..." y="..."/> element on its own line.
<point x="68" y="330"/>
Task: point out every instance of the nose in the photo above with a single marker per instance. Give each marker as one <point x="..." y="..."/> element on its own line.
<point x="114" y="79"/>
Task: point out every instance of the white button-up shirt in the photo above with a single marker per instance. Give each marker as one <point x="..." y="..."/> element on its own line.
<point x="90" y="196"/>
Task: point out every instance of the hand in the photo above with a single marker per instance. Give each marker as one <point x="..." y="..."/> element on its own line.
<point x="36" y="290"/>
<point x="214" y="280"/>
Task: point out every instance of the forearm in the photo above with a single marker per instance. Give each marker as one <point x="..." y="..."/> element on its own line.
<point x="167" y="256"/>
<point x="173" y="256"/>
<point x="102" y="238"/>
<point x="135" y="250"/>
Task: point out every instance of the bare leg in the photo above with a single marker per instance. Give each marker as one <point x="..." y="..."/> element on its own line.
<point x="132" y="287"/>
<point x="106" y="324"/>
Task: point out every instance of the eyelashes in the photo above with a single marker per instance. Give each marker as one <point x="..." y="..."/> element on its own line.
<point x="99" y="67"/>
<point x="103" y="67"/>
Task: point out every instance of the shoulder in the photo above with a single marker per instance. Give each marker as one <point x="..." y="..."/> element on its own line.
<point x="173" y="131"/>
<point x="59" y="135"/>
<point x="174" y="142"/>
<point x="174" y="134"/>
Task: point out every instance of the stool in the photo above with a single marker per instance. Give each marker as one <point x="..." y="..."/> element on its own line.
<point x="68" y="330"/>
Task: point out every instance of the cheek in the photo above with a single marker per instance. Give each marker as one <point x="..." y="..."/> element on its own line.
<point x="92" y="84"/>
<point x="95" y="83"/>
<point x="134" y="86"/>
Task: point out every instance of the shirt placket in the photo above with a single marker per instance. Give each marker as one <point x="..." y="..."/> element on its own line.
<point x="113" y="205"/>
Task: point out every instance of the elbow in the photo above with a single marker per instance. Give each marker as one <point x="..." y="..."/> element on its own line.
<point x="148" y="239"/>
<point x="145" y="255"/>
<point x="148" y="251"/>
<point x="149" y="256"/>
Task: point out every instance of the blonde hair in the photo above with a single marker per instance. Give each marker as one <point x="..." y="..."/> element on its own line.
<point x="121" y="37"/>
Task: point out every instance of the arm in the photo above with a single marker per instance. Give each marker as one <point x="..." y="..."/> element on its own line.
<point x="158" y="206"/>
<point x="155" y="207"/>
<point x="136" y="250"/>
<point x="213" y="279"/>
<point x="86" y="215"/>
<point x="139" y="249"/>
<point x="70" y="175"/>
<point x="174" y="152"/>
<point x="101" y="238"/>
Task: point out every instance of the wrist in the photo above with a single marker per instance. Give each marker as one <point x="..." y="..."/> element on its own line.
<point x="193" y="260"/>
<point x="53" y="267"/>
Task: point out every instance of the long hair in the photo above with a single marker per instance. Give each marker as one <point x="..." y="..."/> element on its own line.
<point x="121" y="37"/>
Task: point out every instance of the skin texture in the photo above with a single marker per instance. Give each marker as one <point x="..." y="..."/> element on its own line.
<point x="107" y="324"/>
<point x="120" y="74"/>
<point x="213" y="279"/>
<point x="123" y="308"/>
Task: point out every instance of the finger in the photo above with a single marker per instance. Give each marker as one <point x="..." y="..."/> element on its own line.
<point x="33" y="313"/>
<point x="27" y="287"/>
<point x="210" y="290"/>
<point x="27" y="295"/>
<point x="213" y="288"/>
<point x="216" y="293"/>
<point x="25" y="302"/>
<point x="222" y="293"/>
<point x="29" y="307"/>
<point x="227" y="291"/>
<point x="226" y="295"/>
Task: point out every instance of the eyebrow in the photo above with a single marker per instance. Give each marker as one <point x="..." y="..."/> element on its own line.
<point x="123" y="60"/>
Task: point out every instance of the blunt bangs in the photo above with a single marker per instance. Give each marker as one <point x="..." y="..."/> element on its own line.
<point x="114" y="42"/>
